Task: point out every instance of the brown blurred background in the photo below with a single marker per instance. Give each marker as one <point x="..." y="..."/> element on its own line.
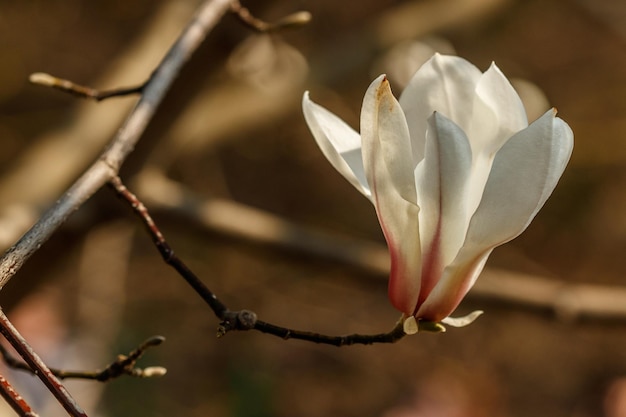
<point x="232" y="128"/>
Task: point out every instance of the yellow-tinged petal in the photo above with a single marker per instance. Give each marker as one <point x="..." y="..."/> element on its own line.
<point x="395" y="142"/>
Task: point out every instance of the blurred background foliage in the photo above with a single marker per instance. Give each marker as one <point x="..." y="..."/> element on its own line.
<point x="232" y="128"/>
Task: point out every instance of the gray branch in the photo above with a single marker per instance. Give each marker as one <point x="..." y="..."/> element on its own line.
<point x="108" y="164"/>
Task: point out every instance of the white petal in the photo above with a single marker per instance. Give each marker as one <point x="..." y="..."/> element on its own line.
<point x="498" y="112"/>
<point x="524" y="173"/>
<point x="443" y="183"/>
<point x="339" y="143"/>
<point x="444" y="84"/>
<point x="398" y="217"/>
<point x="462" y="321"/>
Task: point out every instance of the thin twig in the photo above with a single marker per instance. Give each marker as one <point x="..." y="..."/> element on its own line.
<point x="109" y="163"/>
<point x="15" y="400"/>
<point x="291" y="21"/>
<point x="123" y="365"/>
<point x="393" y="336"/>
<point x="80" y="141"/>
<point x="67" y="86"/>
<point x="242" y="319"/>
<point x="39" y="367"/>
<point x="165" y="250"/>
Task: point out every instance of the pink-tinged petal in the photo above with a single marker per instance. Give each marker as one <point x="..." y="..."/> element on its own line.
<point x="339" y="143"/>
<point x="498" y="112"/>
<point x="443" y="184"/>
<point x="445" y="84"/>
<point x="458" y="278"/>
<point x="398" y="217"/>
<point x="524" y="174"/>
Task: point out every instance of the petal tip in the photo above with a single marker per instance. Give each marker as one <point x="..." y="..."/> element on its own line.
<point x="494" y="67"/>
<point x="462" y="321"/>
<point x="381" y="79"/>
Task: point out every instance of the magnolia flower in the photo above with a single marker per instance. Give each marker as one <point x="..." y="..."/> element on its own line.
<point x="453" y="170"/>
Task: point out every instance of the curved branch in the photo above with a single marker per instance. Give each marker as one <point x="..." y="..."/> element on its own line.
<point x="242" y="319"/>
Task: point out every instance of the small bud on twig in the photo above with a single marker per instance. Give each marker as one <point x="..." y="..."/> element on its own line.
<point x="293" y="20"/>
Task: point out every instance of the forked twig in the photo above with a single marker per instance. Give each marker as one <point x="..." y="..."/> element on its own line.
<point x="103" y="170"/>
<point x="123" y="365"/>
<point x="109" y="163"/>
<point x="41" y="78"/>
<point x="242" y="319"/>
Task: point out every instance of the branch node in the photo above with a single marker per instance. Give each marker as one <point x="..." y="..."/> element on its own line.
<point x="246" y="320"/>
<point x="236" y="320"/>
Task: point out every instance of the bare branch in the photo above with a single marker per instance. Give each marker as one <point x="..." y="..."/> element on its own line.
<point x="109" y="163"/>
<point x="392" y="336"/>
<point x="123" y="365"/>
<point x="15" y="400"/>
<point x="39" y="367"/>
<point x="35" y="178"/>
<point x="41" y="78"/>
<point x="242" y="319"/>
<point x="165" y="250"/>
